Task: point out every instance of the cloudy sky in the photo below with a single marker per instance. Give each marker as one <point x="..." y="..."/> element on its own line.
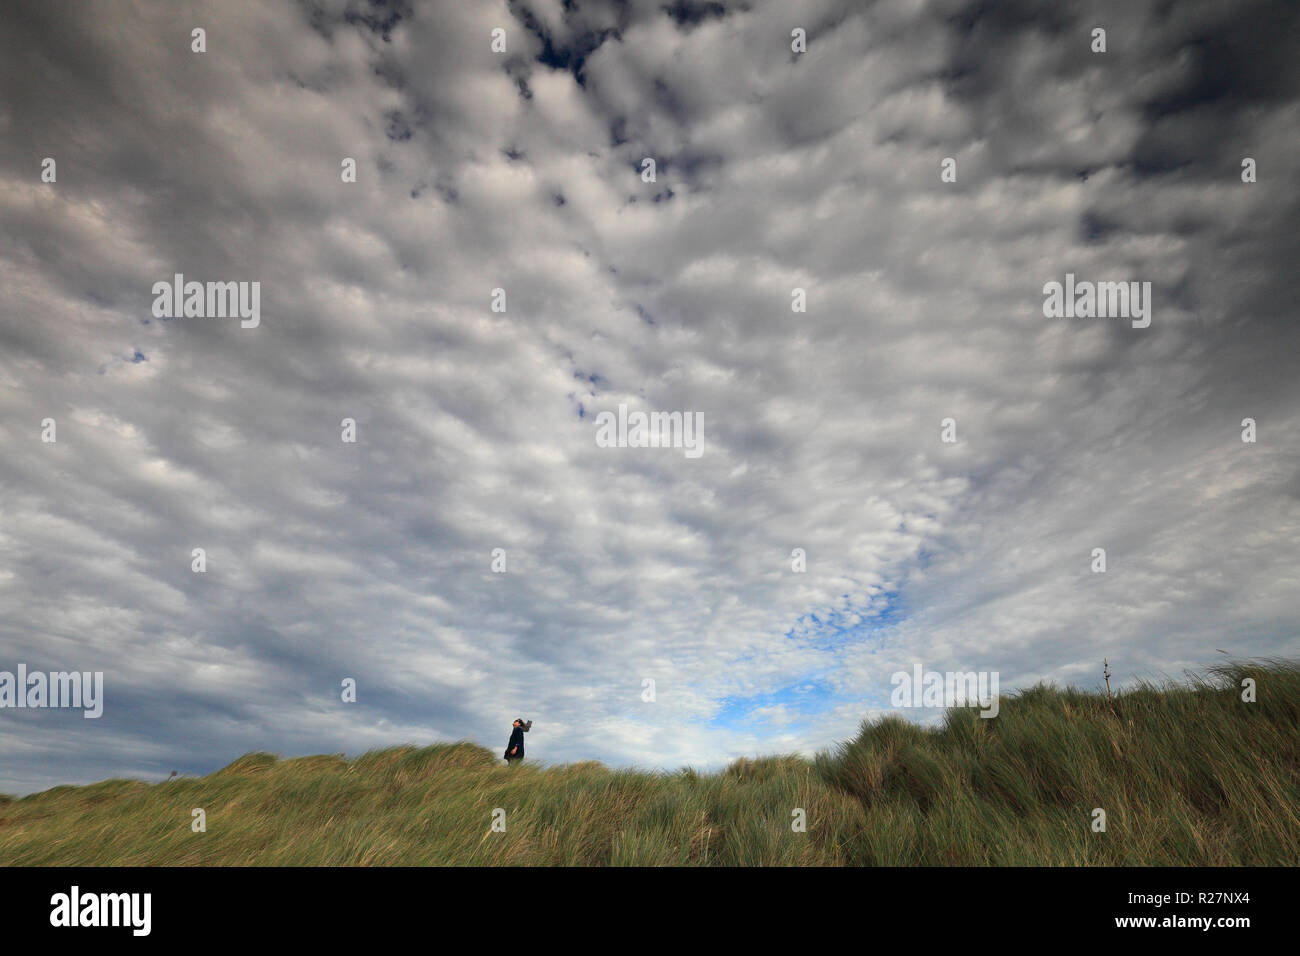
<point x="475" y="430"/>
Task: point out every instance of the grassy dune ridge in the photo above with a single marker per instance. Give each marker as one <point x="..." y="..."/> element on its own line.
<point x="1188" y="774"/>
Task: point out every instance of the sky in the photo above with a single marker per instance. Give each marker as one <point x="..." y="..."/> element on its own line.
<point x="475" y="429"/>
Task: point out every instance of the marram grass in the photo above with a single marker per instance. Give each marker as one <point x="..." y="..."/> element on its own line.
<point x="1187" y="775"/>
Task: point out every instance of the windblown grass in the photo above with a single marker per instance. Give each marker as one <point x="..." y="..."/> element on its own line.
<point x="1186" y="774"/>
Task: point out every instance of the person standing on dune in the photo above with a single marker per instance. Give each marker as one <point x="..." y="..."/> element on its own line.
<point x="515" y="749"/>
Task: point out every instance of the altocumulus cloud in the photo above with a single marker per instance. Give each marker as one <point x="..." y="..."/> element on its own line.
<point x="521" y="171"/>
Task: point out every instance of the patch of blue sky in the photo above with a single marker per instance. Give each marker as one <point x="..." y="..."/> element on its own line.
<point x="852" y="625"/>
<point x="835" y="631"/>
<point x="787" y="708"/>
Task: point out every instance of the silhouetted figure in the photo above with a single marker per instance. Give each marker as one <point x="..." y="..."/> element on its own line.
<point x="515" y="749"/>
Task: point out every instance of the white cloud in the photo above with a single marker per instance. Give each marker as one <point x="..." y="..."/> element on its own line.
<point x="372" y="560"/>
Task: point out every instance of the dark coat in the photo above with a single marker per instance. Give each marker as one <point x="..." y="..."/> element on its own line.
<point x="516" y="740"/>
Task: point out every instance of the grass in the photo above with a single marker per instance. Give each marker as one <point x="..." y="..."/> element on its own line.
<point x="1187" y="775"/>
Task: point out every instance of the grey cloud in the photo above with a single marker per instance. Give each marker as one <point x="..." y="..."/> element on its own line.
<point x="371" y="560"/>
